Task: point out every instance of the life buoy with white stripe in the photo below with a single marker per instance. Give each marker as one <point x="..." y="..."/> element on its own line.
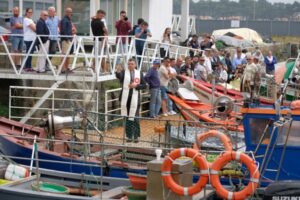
<point x="167" y="167"/>
<point x="213" y="133"/>
<point x="221" y="161"/>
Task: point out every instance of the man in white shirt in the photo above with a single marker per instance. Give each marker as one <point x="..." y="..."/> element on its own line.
<point x="29" y="29"/>
<point x="207" y="63"/>
<point x="221" y="73"/>
<point x="200" y="70"/>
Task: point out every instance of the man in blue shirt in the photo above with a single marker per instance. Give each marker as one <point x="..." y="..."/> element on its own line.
<point x="142" y="32"/>
<point x="152" y="78"/>
<point x="238" y="61"/>
<point x="16" y="24"/>
<point x="270" y="62"/>
<point x="52" y="24"/>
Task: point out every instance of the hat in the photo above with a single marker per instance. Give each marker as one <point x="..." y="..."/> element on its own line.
<point x="156" y="61"/>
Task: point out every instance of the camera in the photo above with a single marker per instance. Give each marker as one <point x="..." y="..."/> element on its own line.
<point x="125" y="18"/>
<point x="145" y="31"/>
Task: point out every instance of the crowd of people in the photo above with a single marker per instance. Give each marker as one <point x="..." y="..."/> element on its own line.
<point x="51" y="31"/>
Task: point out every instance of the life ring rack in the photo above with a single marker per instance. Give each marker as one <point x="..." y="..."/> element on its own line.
<point x="167" y="167"/>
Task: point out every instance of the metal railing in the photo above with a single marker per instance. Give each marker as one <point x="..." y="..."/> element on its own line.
<point x="59" y="99"/>
<point x="112" y="105"/>
<point x="176" y="23"/>
<point x="97" y="63"/>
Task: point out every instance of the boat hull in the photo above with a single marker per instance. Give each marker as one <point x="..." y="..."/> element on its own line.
<point x="59" y="163"/>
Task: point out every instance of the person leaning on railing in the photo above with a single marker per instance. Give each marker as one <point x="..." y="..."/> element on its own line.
<point x="142" y="32"/>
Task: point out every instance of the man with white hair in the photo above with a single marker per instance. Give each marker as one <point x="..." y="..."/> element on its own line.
<point x="43" y="42"/>
<point x="250" y="71"/>
<point x="53" y="26"/>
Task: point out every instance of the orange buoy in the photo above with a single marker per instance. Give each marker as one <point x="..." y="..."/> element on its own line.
<point x="167" y="167"/>
<point x="295" y="105"/>
<point x="213" y="133"/>
<point x="221" y="161"/>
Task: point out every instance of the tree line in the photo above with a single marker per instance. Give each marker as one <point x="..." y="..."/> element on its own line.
<point x="250" y="9"/>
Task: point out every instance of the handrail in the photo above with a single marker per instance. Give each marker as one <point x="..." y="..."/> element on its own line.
<point x="105" y="58"/>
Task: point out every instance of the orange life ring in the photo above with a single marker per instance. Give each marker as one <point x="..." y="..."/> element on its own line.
<point x="213" y="133"/>
<point x="167" y="167"/>
<point x="221" y="161"/>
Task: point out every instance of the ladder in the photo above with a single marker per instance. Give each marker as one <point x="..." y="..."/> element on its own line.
<point x="267" y="155"/>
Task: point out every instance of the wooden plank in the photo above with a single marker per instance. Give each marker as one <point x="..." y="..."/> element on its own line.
<point x="110" y="194"/>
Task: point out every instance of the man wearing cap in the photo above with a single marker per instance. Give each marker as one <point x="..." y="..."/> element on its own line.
<point x="152" y="78"/>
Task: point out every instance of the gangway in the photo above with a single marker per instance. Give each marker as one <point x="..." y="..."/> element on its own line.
<point x="96" y="64"/>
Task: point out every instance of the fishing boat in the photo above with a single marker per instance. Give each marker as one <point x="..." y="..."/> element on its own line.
<point x="17" y="141"/>
<point x="272" y="135"/>
<point x="49" y="184"/>
<point x="206" y="89"/>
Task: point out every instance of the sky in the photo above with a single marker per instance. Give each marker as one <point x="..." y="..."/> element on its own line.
<point x="273" y="1"/>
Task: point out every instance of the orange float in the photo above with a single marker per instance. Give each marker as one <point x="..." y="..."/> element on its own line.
<point x="295" y="105"/>
<point x="167" y="167"/>
<point x="221" y="161"/>
<point x="213" y="133"/>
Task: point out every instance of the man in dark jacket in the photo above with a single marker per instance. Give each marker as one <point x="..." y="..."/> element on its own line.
<point x="152" y="78"/>
<point x="42" y="32"/>
<point x="132" y="81"/>
<point x="66" y="32"/>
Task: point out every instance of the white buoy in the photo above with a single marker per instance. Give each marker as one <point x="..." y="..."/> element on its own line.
<point x="158" y="153"/>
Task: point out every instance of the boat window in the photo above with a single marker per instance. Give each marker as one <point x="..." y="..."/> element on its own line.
<point x="257" y="128"/>
<point x="294" y="136"/>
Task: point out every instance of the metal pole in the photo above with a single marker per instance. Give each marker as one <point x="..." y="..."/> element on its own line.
<point x="21" y="7"/>
<point x="9" y="110"/>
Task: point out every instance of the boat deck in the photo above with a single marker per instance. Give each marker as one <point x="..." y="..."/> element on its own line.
<point x="149" y="137"/>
